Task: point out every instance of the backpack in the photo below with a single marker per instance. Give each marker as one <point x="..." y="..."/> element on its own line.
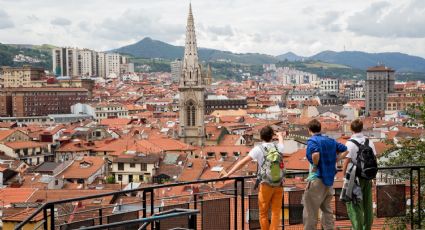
<point x="366" y="163"/>
<point x="272" y="171"/>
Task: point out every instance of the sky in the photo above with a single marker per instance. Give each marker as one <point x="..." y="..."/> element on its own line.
<point x="274" y="27"/>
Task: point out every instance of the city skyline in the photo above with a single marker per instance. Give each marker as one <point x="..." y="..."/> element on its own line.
<point x="272" y="27"/>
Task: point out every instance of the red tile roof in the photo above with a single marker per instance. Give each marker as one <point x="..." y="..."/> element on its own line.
<point x="24" y="144"/>
<point x="84" y="168"/>
<point x="15" y="195"/>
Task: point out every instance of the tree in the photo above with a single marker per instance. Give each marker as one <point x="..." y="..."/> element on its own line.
<point x="110" y="180"/>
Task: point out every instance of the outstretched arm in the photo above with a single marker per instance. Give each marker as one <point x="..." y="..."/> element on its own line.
<point x="238" y="166"/>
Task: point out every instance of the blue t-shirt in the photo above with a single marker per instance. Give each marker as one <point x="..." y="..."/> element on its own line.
<point x="328" y="149"/>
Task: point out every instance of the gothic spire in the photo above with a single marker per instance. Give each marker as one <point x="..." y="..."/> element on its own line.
<point x="190" y="50"/>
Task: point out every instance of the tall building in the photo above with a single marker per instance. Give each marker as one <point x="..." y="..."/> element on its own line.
<point x="101" y="64"/>
<point x="65" y="61"/>
<point x="87" y="62"/>
<point x="75" y="62"/>
<point x="21" y="76"/>
<point x="112" y="64"/>
<point x="379" y="83"/>
<point x="191" y="91"/>
<point x="176" y="70"/>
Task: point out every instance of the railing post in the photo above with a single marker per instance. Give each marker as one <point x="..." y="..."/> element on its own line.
<point x="100" y="216"/>
<point x="144" y="203"/>
<point x="283" y="209"/>
<point x="195" y="201"/>
<point x="45" y="218"/>
<point x="243" y="203"/>
<point x="52" y="217"/>
<point x="419" y="198"/>
<point x="412" y="203"/>
<point x="152" y="206"/>
<point x="236" y="204"/>
<point x="192" y="221"/>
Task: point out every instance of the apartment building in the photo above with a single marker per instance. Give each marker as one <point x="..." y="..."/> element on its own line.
<point x="25" y="102"/>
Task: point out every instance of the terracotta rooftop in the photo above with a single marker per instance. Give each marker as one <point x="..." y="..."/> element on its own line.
<point x="15" y="195"/>
<point x="83" y="168"/>
<point x="25" y="144"/>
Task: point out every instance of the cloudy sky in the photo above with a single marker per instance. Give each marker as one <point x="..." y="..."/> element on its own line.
<point x="267" y="26"/>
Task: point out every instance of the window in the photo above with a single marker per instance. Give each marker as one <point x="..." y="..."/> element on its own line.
<point x="130" y="178"/>
<point x="120" y="166"/>
<point x="140" y="178"/>
<point x="191" y="114"/>
<point x="119" y="177"/>
<point x="132" y="165"/>
<point x="143" y="167"/>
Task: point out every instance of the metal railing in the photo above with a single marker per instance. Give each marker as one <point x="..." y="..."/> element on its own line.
<point x="225" y="207"/>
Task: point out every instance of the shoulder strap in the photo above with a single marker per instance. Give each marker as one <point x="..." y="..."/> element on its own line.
<point x="366" y="143"/>
<point x="355" y="142"/>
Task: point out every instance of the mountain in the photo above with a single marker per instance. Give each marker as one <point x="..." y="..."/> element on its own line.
<point x="149" y="48"/>
<point x="290" y="57"/>
<point x="362" y="60"/>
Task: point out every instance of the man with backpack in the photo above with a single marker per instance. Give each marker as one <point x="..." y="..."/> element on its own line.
<point x="361" y="155"/>
<point x="322" y="153"/>
<point x="270" y="176"/>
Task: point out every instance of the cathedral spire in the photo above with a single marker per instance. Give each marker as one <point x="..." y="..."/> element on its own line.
<point x="190" y="51"/>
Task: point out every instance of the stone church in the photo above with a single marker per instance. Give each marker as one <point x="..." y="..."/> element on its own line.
<point x="192" y="91"/>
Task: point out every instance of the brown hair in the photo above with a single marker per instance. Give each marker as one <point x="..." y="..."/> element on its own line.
<point x="266" y="133"/>
<point x="314" y="126"/>
<point x="356" y="126"/>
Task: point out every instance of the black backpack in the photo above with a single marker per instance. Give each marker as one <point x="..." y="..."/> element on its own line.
<point x="367" y="165"/>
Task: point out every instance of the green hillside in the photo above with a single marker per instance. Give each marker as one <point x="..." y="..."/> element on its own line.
<point x="39" y="56"/>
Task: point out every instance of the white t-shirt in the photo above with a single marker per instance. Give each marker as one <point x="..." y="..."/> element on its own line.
<point x="353" y="149"/>
<point x="257" y="153"/>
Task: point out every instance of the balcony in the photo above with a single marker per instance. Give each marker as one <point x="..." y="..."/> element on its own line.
<point x="227" y="203"/>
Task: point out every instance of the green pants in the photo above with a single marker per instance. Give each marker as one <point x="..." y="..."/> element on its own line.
<point x="361" y="214"/>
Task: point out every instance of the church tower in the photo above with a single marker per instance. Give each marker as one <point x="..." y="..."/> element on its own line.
<point x="191" y="91"/>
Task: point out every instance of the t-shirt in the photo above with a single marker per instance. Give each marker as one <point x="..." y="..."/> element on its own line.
<point x="257" y="153"/>
<point x="328" y="149"/>
<point x="353" y="149"/>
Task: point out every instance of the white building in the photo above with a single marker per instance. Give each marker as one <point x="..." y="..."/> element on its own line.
<point x="101" y="111"/>
<point x="135" y="167"/>
<point x="176" y="70"/>
<point x="84" y="62"/>
<point x="88" y="63"/>
<point x="291" y="76"/>
<point x="329" y="85"/>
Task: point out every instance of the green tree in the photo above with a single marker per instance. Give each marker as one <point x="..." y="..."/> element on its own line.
<point x="110" y="179"/>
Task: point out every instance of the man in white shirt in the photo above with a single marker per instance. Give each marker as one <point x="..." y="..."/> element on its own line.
<point x="361" y="213"/>
<point x="268" y="196"/>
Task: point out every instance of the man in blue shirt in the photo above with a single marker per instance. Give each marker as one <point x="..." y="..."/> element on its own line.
<point x="322" y="153"/>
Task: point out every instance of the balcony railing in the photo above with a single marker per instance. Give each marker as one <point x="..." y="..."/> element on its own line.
<point x="226" y="203"/>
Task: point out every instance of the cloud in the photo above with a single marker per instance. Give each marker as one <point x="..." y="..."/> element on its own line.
<point x="381" y="19"/>
<point x="221" y="30"/>
<point x="59" y="21"/>
<point x="5" y="20"/>
<point x="330" y="21"/>
<point x="138" y="24"/>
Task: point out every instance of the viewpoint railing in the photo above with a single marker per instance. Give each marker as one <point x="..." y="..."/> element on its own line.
<point x="225" y="203"/>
